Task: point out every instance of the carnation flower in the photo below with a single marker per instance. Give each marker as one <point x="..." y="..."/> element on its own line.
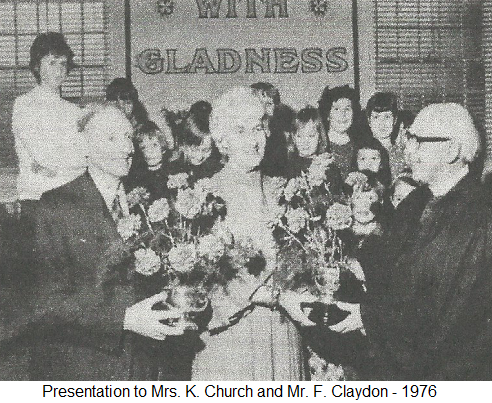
<point x="291" y="189"/>
<point x="201" y="194"/>
<point x="324" y="159"/>
<point x="334" y="373"/>
<point x="316" y="174"/>
<point x="296" y="219"/>
<point x="188" y="203"/>
<point x="128" y="226"/>
<point x="338" y="216"/>
<point x="138" y="195"/>
<point x="182" y="257"/>
<point x="356" y="179"/>
<point x="275" y="187"/>
<point x="147" y="262"/>
<point x="275" y="214"/>
<point x="177" y="181"/>
<point x="211" y="246"/>
<point x="317" y="171"/>
<point x="159" y="210"/>
<point x="321" y="371"/>
<point x="223" y="233"/>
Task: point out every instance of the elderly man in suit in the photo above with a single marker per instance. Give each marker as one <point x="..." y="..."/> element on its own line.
<point x="82" y="311"/>
<point x="429" y="311"/>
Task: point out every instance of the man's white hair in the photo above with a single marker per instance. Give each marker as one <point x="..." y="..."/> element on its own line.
<point x="229" y="112"/>
<point x="105" y="121"/>
<point x="449" y="120"/>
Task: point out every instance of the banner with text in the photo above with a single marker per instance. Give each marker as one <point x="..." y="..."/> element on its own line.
<point x="187" y="50"/>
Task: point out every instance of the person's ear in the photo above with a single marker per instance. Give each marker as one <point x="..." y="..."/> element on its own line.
<point x="453" y="151"/>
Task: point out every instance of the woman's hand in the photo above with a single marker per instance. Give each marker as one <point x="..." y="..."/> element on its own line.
<point x="291" y="301"/>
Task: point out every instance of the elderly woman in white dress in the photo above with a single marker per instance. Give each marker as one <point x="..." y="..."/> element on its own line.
<point x="264" y="345"/>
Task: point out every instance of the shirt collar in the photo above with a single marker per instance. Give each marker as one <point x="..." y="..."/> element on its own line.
<point x="108" y="186"/>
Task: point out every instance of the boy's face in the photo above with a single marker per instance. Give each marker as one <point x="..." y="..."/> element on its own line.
<point x="151" y="150"/>
<point x="382" y="124"/>
<point x="402" y="190"/>
<point x="306" y="139"/>
<point x="53" y="70"/>
<point x="197" y="154"/>
<point x="368" y="160"/>
<point x="267" y="102"/>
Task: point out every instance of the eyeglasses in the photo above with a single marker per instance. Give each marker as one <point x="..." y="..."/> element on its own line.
<point x="419" y="140"/>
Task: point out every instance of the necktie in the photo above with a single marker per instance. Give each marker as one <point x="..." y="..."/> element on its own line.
<point x="119" y="208"/>
<point x="116" y="210"/>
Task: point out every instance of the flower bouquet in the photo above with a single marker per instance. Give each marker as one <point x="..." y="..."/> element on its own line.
<point x="315" y="235"/>
<point x="174" y="249"/>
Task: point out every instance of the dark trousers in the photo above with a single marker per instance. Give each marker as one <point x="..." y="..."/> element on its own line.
<point x="17" y="268"/>
<point x="24" y="243"/>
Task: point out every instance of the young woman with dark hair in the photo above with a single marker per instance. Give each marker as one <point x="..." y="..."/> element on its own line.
<point x="382" y="116"/>
<point x="340" y="114"/>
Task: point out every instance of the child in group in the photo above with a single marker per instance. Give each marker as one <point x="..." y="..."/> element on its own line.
<point x="197" y="154"/>
<point x="310" y="141"/>
<point x="401" y="188"/>
<point x="149" y="169"/>
<point x="368" y="206"/>
<point x="382" y="116"/>
<point x="122" y="93"/>
<point x="308" y="135"/>
<point x="371" y="156"/>
<point x="277" y="123"/>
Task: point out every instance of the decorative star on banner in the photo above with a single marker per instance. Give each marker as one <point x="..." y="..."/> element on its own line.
<point x="318" y="7"/>
<point x="165" y="7"/>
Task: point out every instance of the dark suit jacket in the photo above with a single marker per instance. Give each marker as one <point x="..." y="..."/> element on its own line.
<point x="429" y="308"/>
<point x="78" y="305"/>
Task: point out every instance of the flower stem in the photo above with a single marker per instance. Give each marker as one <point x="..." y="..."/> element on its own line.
<point x="147" y="221"/>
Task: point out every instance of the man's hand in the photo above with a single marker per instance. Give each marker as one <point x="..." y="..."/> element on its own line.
<point x="356" y="268"/>
<point x="351" y="322"/>
<point x="291" y="301"/>
<point x="141" y="319"/>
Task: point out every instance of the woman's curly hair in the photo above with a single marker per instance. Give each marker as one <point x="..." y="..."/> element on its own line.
<point x="229" y="113"/>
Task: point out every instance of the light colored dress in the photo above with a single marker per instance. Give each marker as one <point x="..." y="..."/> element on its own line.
<point x="264" y="345"/>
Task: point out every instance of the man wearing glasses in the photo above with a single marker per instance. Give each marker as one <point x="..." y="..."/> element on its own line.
<point x="428" y="314"/>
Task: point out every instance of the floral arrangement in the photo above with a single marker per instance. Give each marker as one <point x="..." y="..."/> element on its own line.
<point x="172" y="242"/>
<point x="311" y="232"/>
<point x="315" y="236"/>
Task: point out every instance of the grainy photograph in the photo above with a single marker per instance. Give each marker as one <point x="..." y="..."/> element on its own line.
<point x="245" y="190"/>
